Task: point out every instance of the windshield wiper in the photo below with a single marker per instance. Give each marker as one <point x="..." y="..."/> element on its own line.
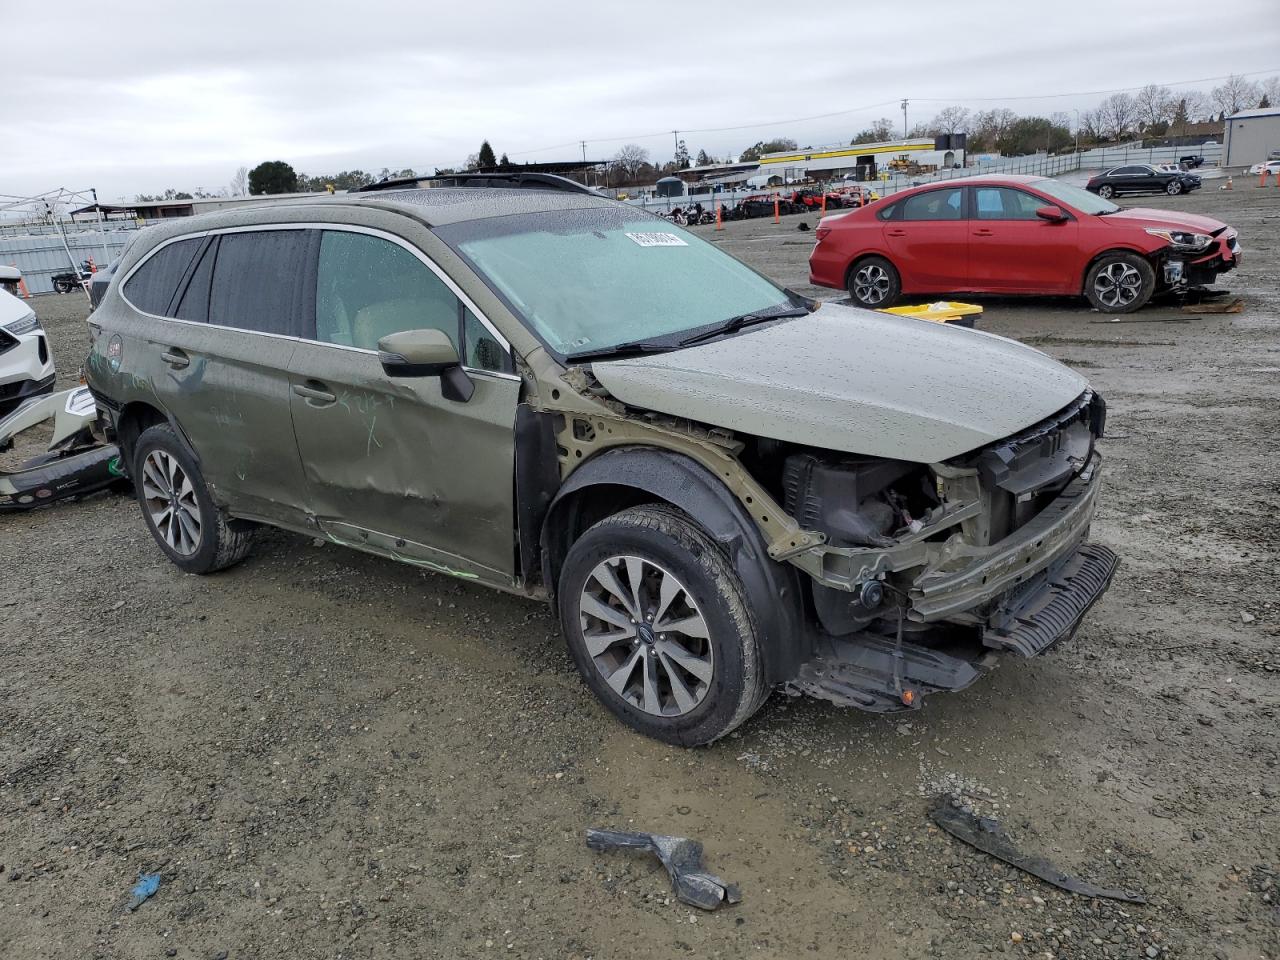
<point x="742" y="320"/>
<point x="635" y="346"/>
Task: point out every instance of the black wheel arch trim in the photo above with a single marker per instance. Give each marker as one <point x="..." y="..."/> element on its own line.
<point x="773" y="588"/>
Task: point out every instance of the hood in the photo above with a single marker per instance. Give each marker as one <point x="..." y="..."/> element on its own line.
<point x="12" y="308"/>
<point x="1148" y="217"/>
<point x="855" y="381"/>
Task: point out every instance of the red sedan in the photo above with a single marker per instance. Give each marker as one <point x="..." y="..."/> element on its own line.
<point x="1017" y="235"/>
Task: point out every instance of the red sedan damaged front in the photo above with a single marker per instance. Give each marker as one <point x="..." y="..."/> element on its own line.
<point x="1017" y="235"/>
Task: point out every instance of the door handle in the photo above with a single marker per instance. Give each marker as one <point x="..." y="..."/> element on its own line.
<point x="982" y="233"/>
<point x="317" y="393"/>
<point x="897" y="233"/>
<point x="175" y="358"/>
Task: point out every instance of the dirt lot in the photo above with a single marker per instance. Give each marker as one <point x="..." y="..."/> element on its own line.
<point x="329" y="755"/>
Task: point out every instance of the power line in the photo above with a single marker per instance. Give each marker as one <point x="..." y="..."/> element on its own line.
<point x="1096" y="93"/>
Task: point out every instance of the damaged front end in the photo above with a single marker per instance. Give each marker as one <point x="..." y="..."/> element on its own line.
<point x="930" y="573"/>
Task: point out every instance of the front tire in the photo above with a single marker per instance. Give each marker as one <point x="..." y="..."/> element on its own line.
<point x="1174" y="188"/>
<point x="1120" y="283"/>
<point x="177" y="508"/>
<point x="874" y="283"/>
<point x="659" y="627"/>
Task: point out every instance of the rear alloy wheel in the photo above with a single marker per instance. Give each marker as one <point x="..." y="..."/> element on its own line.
<point x="659" y="626"/>
<point x="1120" y="283"/>
<point x="188" y="526"/>
<point x="1174" y="188"/>
<point x="874" y="283"/>
<point x="1106" y="191"/>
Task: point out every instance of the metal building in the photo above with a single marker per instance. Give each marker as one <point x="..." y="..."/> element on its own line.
<point x="1251" y="135"/>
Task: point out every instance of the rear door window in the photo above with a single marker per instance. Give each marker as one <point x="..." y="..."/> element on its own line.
<point x="368" y="287"/>
<point x="194" y="304"/>
<point x="258" y="281"/>
<point x="934" y="205"/>
<point x="152" y="286"/>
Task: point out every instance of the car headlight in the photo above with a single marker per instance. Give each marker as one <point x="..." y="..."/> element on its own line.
<point x="25" y="325"/>
<point x="1181" y="239"/>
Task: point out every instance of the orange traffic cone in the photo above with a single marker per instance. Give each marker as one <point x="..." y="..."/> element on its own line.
<point x="1230" y="185"/>
<point x="93" y="267"/>
<point x="22" y="285"/>
<point x="824" y="201"/>
<point x="719" y="221"/>
<point x="777" y="217"/>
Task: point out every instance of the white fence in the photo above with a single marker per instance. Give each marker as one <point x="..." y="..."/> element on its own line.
<point x="38" y="252"/>
<point x="1104" y="158"/>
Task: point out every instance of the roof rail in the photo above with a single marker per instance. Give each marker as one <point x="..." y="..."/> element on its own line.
<point x="509" y="181"/>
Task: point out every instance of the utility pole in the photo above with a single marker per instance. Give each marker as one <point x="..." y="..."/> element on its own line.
<point x="904" y="118"/>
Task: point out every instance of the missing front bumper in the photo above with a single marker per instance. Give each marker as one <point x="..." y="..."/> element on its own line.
<point x="881" y="675"/>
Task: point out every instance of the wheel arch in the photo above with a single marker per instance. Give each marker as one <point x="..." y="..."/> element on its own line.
<point x="862" y="255"/>
<point x="1151" y="257"/>
<point x="135" y="417"/>
<point x="624" y="477"/>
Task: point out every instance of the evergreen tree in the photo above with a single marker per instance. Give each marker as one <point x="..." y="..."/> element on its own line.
<point x="485" y="159"/>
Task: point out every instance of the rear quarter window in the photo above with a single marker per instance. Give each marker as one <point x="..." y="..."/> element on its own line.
<point x="152" y="286"/>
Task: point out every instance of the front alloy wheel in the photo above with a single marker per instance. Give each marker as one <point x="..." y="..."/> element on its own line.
<point x="660" y="627"/>
<point x="1174" y="188"/>
<point x="1120" y="283"/>
<point x="1117" y="285"/>
<point x="646" y="636"/>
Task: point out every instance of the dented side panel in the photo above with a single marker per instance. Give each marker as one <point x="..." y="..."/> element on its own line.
<point x="395" y="457"/>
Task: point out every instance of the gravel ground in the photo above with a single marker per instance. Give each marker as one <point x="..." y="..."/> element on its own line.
<point x="325" y="754"/>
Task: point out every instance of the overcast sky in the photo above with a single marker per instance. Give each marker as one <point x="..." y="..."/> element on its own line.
<point x="135" y="97"/>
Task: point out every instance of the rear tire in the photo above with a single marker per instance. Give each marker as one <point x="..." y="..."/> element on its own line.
<point x="1106" y="191"/>
<point x="874" y="283"/>
<point x="660" y="628"/>
<point x="1120" y="283"/>
<point x="187" y="525"/>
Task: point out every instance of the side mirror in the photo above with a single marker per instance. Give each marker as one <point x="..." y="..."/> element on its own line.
<point x="1052" y="213"/>
<point x="426" y="353"/>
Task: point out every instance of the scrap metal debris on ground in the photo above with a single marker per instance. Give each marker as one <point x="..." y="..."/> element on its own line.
<point x="683" y="859"/>
<point x="76" y="462"/>
<point x="1231" y="306"/>
<point x="986" y="834"/>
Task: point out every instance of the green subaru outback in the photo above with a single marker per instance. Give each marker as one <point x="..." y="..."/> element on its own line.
<point x="722" y="487"/>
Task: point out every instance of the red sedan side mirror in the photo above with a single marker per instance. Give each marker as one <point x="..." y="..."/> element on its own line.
<point x="1051" y="213"/>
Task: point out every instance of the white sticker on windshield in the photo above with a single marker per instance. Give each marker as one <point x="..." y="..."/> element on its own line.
<point x="657" y="240"/>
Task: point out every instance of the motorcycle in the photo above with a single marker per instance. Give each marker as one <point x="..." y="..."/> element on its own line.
<point x="68" y="281"/>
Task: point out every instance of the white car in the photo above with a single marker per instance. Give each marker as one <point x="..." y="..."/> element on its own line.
<point x="26" y="365"/>
<point x="1271" y="166"/>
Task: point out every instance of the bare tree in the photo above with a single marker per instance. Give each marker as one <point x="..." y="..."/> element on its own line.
<point x="989" y="126"/>
<point x="1119" y="115"/>
<point x="951" y="120"/>
<point x="1199" y="106"/>
<point x="1235" y="93"/>
<point x="1092" y="124"/>
<point x="631" y="158"/>
<point x="1271" y="90"/>
<point x="240" y="183"/>
<point x="1155" y="105"/>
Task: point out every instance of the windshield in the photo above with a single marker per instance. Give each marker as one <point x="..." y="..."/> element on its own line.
<point x="1082" y="200"/>
<point x="590" y="279"/>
